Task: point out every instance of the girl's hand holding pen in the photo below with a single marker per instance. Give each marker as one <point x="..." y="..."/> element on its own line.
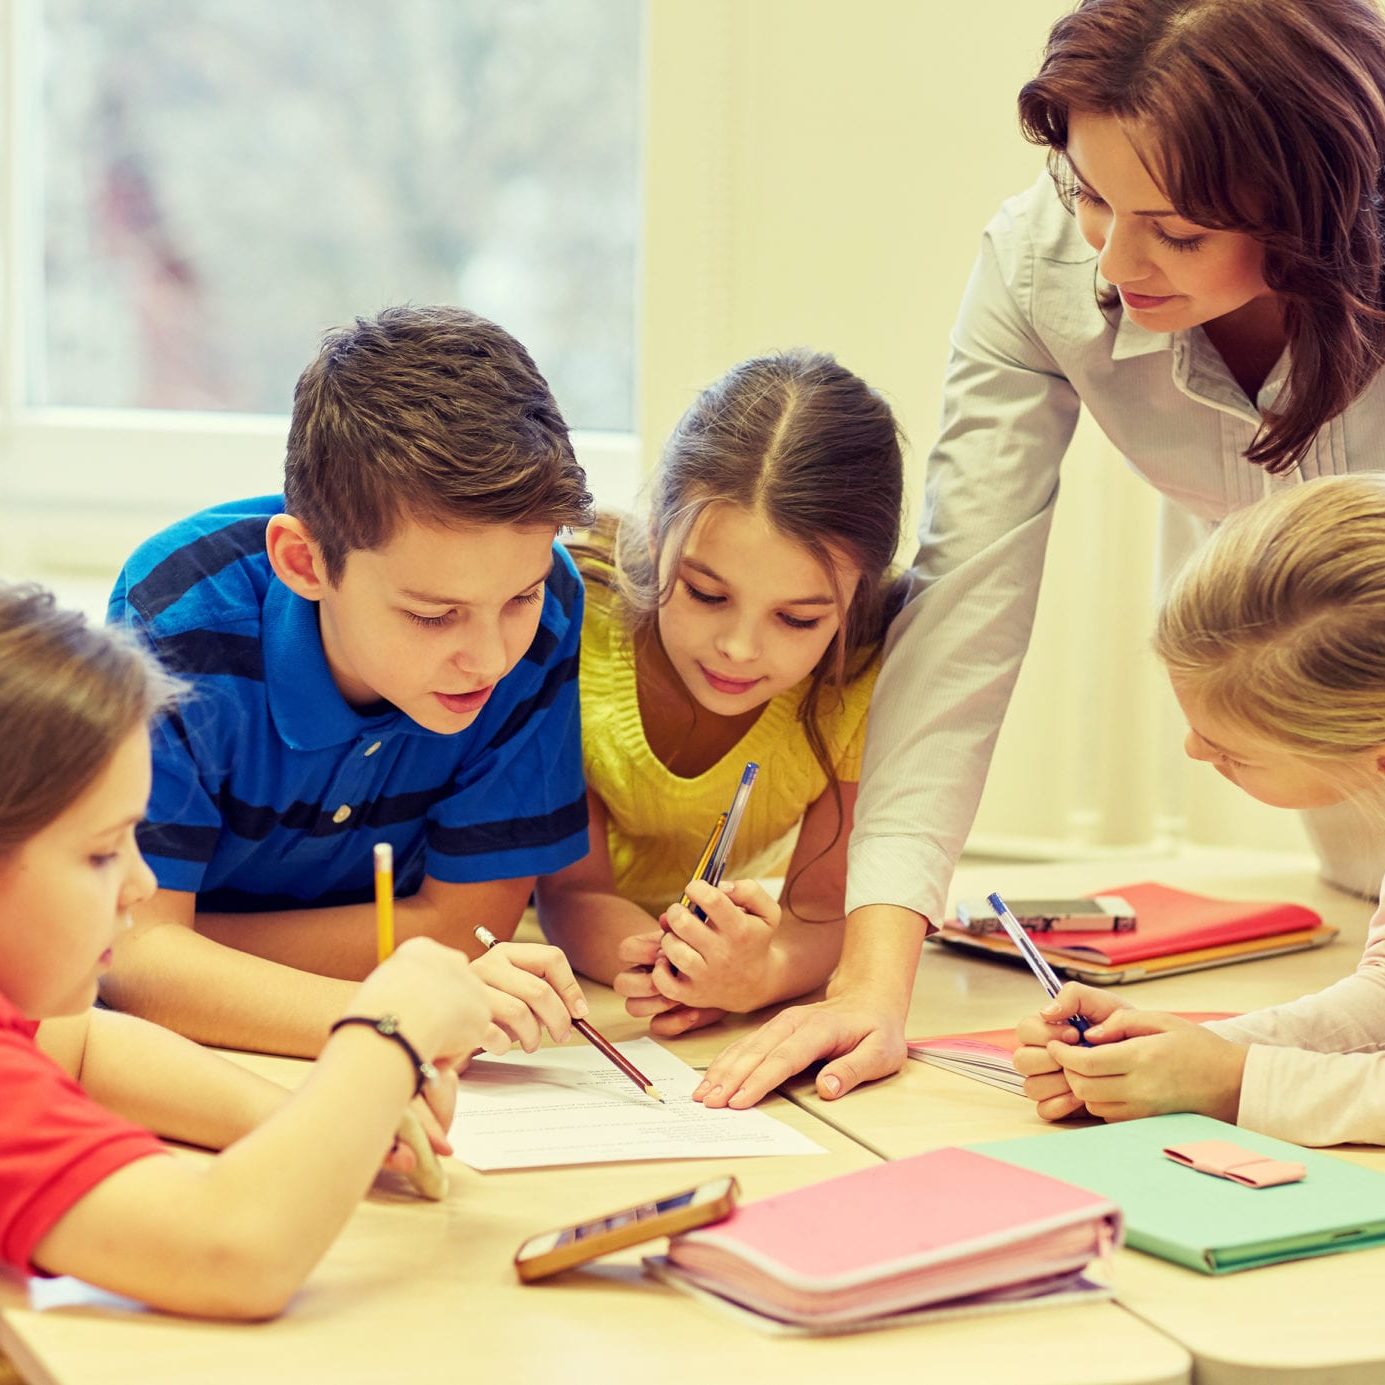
<point x="1046" y="1081"/>
<point x="642" y="998"/>
<point x="722" y="958"/>
<point x="1139" y="1063"/>
<point x="1148" y="1063"/>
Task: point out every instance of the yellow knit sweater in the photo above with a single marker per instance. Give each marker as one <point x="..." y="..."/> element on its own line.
<point x="658" y="821"/>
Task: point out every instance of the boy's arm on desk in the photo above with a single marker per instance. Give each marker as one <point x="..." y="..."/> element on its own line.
<point x="256" y="981"/>
<point x="167" y="971"/>
<point x="340" y="940"/>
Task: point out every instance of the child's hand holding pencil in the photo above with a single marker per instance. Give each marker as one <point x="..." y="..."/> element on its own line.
<point x="530" y="988"/>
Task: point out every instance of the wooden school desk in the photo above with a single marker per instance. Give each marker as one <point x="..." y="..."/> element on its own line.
<point x="1310" y="1320"/>
<point x="418" y="1292"/>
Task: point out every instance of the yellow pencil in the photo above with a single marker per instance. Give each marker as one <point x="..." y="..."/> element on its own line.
<point x="384" y="900"/>
<point x="706" y="854"/>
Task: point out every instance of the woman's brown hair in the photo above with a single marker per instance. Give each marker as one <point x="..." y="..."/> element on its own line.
<point x="800" y="439"/>
<point x="1261" y="116"/>
<point x="70" y="693"/>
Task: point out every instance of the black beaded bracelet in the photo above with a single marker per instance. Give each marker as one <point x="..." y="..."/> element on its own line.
<point x="388" y="1025"/>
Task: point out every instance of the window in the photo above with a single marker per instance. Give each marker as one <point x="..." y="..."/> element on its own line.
<point x="198" y="191"/>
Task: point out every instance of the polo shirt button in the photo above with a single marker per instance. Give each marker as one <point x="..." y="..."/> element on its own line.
<point x="342" y="813"/>
<point x="372" y="748"/>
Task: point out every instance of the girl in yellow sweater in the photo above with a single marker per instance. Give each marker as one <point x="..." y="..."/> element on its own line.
<point x="741" y="619"/>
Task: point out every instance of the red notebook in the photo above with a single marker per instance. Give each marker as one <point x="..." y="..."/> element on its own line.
<point x="1169" y="920"/>
<point x="1176" y="931"/>
<point x="939" y="1226"/>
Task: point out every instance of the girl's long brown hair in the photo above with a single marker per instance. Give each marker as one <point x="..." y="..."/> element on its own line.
<point x="813" y="448"/>
<point x="1261" y="116"/>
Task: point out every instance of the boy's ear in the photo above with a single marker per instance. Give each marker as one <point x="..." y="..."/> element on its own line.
<point x="295" y="556"/>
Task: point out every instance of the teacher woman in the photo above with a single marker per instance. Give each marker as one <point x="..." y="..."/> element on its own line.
<point x="1202" y="270"/>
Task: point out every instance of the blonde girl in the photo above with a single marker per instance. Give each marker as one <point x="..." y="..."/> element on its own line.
<point x="85" y="1188"/>
<point x="1274" y="638"/>
<point x="741" y="619"/>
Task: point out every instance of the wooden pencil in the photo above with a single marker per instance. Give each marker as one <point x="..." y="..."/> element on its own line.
<point x="712" y="840"/>
<point x="384" y="900"/>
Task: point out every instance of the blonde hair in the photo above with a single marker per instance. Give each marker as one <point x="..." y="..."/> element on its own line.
<point x="1279" y="621"/>
<point x="70" y="693"/>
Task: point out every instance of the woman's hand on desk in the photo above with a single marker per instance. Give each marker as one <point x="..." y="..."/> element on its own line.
<point x="862" y="1035"/>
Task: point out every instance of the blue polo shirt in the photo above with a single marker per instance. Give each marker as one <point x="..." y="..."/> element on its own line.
<point x="270" y="789"/>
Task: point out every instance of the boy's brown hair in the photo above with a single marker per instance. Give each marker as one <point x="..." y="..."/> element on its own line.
<point x="432" y="413"/>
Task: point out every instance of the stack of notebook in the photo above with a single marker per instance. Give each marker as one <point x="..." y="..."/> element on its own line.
<point x="1174" y="931"/>
<point x="984" y="1055"/>
<point x="940" y="1234"/>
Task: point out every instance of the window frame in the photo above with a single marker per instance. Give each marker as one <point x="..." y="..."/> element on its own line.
<point x="59" y="507"/>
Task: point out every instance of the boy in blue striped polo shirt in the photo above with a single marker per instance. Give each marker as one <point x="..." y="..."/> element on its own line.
<point x="386" y="653"/>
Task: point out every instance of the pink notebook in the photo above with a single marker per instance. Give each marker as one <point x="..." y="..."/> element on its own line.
<point x="943" y="1225"/>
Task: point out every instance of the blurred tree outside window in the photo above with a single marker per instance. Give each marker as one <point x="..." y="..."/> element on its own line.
<point x="223" y="180"/>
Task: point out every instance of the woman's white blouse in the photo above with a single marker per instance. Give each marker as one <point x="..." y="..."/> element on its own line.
<point x="1030" y="346"/>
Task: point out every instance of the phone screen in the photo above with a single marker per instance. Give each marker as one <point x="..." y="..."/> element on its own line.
<point x="643" y="1212"/>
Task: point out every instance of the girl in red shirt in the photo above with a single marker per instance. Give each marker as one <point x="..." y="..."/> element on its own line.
<point x="85" y="1188"/>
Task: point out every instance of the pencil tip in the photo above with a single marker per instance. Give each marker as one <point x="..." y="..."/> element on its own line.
<point x="654" y="1092"/>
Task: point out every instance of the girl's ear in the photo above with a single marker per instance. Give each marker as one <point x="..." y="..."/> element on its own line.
<point x="295" y="557"/>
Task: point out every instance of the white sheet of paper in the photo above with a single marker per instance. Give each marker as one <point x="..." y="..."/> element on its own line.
<point x="571" y="1105"/>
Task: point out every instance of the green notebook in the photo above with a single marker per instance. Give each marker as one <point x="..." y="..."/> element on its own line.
<point x="1195" y="1219"/>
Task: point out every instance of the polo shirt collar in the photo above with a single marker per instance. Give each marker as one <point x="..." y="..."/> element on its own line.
<point x="307" y="706"/>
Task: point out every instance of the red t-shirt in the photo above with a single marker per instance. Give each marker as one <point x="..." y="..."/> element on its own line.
<point x="56" y="1143"/>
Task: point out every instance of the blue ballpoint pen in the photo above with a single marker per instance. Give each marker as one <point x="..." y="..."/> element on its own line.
<point x="1036" y="960"/>
<point x="716" y="862"/>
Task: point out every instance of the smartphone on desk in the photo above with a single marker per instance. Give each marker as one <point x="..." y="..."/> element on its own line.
<point x="1102" y="913"/>
<point x="552" y="1251"/>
